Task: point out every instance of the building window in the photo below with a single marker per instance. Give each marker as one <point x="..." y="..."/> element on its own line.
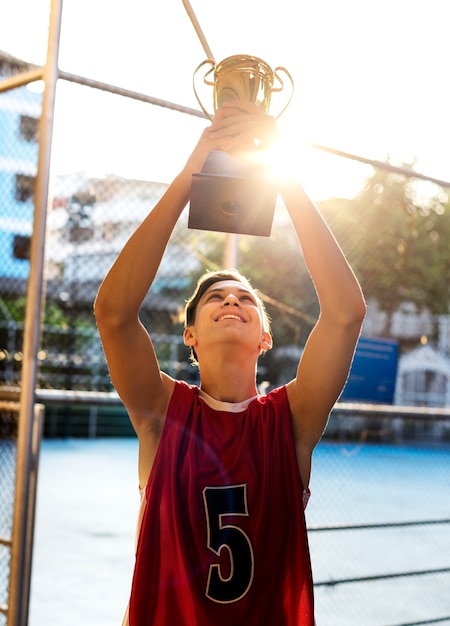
<point x="21" y="247"/>
<point x="24" y="187"/>
<point x="28" y="128"/>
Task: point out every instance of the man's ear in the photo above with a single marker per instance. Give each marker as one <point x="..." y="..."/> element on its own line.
<point x="189" y="337"/>
<point x="266" y="341"/>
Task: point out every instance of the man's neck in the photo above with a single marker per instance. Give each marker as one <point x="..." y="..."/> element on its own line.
<point x="232" y="382"/>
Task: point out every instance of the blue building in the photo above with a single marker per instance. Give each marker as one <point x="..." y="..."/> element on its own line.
<point x="20" y="110"/>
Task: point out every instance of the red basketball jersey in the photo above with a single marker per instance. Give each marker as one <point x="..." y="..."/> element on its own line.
<point x="223" y="538"/>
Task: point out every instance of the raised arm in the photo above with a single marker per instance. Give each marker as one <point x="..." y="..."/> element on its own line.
<point x="132" y="362"/>
<point x="327" y="357"/>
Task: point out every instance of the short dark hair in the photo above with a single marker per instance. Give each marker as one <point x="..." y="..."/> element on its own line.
<point x="205" y="282"/>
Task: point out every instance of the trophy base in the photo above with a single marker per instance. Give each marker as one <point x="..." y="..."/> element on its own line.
<point x="232" y="197"/>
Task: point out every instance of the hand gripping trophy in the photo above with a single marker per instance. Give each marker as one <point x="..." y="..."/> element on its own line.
<point x="231" y="195"/>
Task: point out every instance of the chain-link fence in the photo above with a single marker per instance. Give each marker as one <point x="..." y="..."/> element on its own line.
<point x="8" y="456"/>
<point x="395" y="234"/>
<point x="18" y="482"/>
<point x="379" y="532"/>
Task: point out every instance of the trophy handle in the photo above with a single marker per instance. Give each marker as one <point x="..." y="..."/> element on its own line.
<point x="278" y="89"/>
<point x="207" y="82"/>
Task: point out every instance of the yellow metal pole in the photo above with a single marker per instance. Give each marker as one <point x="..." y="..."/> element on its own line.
<point x="198" y="30"/>
<point x="20" y="568"/>
<point x="21" y="79"/>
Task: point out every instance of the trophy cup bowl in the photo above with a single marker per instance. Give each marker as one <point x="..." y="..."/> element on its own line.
<point x="230" y="195"/>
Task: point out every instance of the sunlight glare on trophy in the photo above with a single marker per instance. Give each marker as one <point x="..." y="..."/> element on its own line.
<point x="235" y="191"/>
<point x="285" y="158"/>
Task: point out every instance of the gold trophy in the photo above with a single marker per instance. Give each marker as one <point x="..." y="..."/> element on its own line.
<point x="229" y="194"/>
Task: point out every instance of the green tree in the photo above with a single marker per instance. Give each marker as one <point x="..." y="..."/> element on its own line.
<point x="396" y="236"/>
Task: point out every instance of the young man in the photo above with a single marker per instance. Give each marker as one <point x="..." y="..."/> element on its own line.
<point x="223" y="472"/>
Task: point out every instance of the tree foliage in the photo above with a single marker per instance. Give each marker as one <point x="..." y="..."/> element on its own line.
<point x="396" y="238"/>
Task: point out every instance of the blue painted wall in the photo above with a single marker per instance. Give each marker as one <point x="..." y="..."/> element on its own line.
<point x="17" y="156"/>
<point x="373" y="373"/>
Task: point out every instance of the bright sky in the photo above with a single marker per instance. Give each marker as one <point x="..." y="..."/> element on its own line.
<point x="371" y="78"/>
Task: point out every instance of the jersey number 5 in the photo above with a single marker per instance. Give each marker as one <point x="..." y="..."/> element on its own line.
<point x="220" y="503"/>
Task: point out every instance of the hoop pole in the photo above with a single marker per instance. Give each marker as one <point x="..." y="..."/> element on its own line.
<point x="198" y="30"/>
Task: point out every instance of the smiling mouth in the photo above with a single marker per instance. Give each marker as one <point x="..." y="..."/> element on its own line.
<point x="229" y="317"/>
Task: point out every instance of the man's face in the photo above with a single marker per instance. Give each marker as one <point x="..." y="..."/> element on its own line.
<point x="229" y="311"/>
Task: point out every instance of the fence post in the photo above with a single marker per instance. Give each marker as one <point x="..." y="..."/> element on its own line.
<point x="22" y="483"/>
<point x="19" y="587"/>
